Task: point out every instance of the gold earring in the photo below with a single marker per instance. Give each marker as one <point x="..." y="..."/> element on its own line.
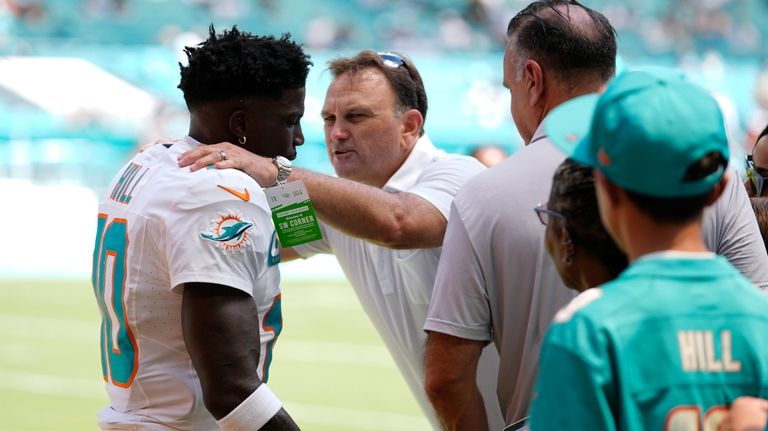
<point x="569" y="251"/>
<point x="241" y="140"/>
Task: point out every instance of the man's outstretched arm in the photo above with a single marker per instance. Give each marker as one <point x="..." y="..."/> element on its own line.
<point x="221" y="331"/>
<point x="395" y="220"/>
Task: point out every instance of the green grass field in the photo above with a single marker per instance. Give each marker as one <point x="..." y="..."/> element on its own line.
<point x="330" y="368"/>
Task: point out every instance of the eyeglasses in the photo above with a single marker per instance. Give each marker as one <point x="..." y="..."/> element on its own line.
<point x="545" y="213"/>
<point x="757" y="180"/>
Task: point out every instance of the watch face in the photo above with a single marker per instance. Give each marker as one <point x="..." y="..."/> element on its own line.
<point x="283" y="161"/>
<point x="284" y="167"/>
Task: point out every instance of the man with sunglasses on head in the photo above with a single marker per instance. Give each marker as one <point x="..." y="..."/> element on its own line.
<point x="757" y="166"/>
<point x="385" y="215"/>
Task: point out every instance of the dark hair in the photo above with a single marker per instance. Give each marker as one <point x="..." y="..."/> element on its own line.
<point x="573" y="195"/>
<point x="404" y="78"/>
<point x="760" y="206"/>
<point x="237" y="64"/>
<point x="681" y="209"/>
<point x="554" y="41"/>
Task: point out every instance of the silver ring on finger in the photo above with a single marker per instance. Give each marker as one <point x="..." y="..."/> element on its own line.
<point x="223" y="155"/>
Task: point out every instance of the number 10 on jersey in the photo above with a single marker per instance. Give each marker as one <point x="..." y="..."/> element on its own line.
<point x="119" y="353"/>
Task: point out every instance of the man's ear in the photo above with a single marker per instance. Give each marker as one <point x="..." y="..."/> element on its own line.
<point x="534" y="81"/>
<point x="718" y="190"/>
<point x="610" y="191"/>
<point x="238" y="125"/>
<point x="611" y="200"/>
<point x="412" y="122"/>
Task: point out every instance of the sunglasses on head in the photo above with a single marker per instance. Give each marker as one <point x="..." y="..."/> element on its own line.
<point x="390" y="59"/>
<point x="755" y="178"/>
<point x="396" y="61"/>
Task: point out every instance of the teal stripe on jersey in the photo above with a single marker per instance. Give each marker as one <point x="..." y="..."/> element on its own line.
<point x="273" y="321"/>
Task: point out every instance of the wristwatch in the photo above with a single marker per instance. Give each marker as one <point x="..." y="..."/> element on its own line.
<point x="284" y="167"/>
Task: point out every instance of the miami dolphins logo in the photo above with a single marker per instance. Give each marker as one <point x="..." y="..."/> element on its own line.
<point x="228" y="231"/>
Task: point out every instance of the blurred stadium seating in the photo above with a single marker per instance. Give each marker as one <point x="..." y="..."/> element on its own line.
<point x="60" y="126"/>
<point x="656" y="27"/>
<point x="140" y="40"/>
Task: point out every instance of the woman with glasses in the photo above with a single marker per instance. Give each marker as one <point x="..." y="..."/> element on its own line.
<point x="757" y="166"/>
<point x="583" y="252"/>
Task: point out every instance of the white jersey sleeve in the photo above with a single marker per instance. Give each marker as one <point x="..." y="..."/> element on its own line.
<point x="219" y="231"/>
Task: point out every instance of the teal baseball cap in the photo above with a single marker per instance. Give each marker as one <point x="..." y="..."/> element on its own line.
<point x="644" y="132"/>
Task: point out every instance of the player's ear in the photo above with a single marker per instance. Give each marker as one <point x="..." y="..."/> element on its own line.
<point x="238" y="125"/>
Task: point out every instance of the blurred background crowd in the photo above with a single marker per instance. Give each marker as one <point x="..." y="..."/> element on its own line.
<point x="654" y="27"/>
<point x="84" y="82"/>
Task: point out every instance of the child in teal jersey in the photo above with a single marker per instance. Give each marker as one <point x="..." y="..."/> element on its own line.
<point x="680" y="334"/>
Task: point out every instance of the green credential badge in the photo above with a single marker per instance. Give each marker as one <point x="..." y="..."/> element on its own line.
<point x="293" y="214"/>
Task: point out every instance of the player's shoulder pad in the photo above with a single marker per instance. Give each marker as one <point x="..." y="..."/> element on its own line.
<point x="578" y="303"/>
<point x="165" y="151"/>
<point x="221" y="185"/>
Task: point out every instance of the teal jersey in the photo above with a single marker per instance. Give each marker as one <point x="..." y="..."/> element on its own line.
<point x="668" y="345"/>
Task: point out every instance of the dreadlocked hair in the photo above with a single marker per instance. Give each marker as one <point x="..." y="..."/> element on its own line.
<point x="237" y="64"/>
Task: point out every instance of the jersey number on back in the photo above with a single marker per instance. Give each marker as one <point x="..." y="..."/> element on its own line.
<point x="119" y="353"/>
<point x="689" y="418"/>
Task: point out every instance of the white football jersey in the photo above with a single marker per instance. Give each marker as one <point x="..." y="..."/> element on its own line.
<point x="161" y="226"/>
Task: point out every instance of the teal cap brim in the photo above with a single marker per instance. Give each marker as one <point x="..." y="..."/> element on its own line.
<point x="568" y="126"/>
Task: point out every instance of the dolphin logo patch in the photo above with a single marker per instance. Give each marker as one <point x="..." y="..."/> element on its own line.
<point x="228" y="231"/>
